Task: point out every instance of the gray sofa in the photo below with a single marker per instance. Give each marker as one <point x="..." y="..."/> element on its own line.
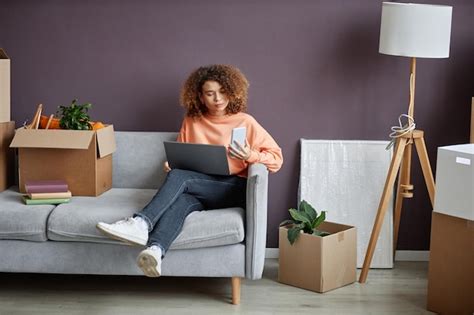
<point x="64" y="240"/>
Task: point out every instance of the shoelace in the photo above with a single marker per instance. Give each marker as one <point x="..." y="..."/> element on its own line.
<point x="125" y="221"/>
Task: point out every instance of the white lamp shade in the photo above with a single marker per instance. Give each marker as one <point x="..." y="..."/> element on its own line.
<point x="415" y="30"/>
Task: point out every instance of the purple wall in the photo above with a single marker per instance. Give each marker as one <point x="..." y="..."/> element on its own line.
<point x="314" y="69"/>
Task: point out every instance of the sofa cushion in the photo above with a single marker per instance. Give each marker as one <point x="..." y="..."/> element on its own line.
<point x="143" y="169"/>
<point x="76" y="221"/>
<point x="19" y="221"/>
<point x="211" y="228"/>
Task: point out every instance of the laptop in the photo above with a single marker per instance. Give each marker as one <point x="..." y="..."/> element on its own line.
<point x="203" y="158"/>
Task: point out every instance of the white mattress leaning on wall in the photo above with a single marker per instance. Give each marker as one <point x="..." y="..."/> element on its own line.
<point x="346" y="179"/>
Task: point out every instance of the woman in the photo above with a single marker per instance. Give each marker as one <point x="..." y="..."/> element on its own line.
<point x="215" y="99"/>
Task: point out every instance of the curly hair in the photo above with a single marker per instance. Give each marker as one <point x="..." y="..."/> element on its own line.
<point x="229" y="77"/>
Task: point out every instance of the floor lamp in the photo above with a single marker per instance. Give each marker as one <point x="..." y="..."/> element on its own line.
<point x="415" y="31"/>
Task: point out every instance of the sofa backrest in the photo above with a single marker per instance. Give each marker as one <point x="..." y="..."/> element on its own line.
<point x="138" y="160"/>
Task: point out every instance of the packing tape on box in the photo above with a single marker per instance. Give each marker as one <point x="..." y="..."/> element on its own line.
<point x="341" y="236"/>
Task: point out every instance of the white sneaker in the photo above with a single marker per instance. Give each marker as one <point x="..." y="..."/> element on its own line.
<point x="149" y="261"/>
<point x="130" y="230"/>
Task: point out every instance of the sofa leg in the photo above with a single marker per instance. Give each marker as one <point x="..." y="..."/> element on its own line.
<point x="235" y="290"/>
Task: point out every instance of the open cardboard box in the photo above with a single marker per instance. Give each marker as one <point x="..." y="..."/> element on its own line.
<point x="319" y="263"/>
<point x="81" y="157"/>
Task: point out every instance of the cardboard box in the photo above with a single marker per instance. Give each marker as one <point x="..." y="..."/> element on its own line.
<point x="7" y="158"/>
<point x="4" y="87"/>
<point x="454" y="181"/>
<point x="319" y="263"/>
<point x="82" y="158"/>
<point x="451" y="266"/>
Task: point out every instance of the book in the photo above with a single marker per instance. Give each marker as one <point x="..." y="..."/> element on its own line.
<point x="46" y="186"/>
<point x="51" y="195"/>
<point x="51" y="201"/>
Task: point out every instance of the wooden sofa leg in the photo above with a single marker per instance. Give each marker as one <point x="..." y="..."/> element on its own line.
<point x="235" y="290"/>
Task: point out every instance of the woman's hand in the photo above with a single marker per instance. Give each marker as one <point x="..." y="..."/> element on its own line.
<point x="237" y="151"/>
<point x="166" y="167"/>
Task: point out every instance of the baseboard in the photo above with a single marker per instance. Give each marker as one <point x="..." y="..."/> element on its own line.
<point x="400" y="255"/>
<point x="272" y="253"/>
<point x="412" y="255"/>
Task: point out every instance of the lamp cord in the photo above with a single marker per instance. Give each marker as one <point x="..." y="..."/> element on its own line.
<point x="401" y="129"/>
<point x="409" y="126"/>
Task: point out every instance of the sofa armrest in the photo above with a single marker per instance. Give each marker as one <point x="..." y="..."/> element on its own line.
<point x="256" y="221"/>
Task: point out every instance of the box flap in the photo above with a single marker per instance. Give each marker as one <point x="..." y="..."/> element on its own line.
<point x="106" y="141"/>
<point x="57" y="139"/>
<point x="3" y="54"/>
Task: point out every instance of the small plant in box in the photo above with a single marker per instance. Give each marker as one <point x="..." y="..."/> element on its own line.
<point x="74" y="116"/>
<point x="305" y="219"/>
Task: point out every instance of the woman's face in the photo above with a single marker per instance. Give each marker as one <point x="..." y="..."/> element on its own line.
<point x="214" y="97"/>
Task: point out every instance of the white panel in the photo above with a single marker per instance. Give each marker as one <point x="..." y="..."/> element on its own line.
<point x="455" y="181"/>
<point x="346" y="179"/>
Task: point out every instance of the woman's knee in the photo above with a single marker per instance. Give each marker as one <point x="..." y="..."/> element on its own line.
<point x="188" y="199"/>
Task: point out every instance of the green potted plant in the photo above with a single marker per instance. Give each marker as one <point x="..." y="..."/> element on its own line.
<point x="305" y="219"/>
<point x="315" y="254"/>
<point x="74" y="116"/>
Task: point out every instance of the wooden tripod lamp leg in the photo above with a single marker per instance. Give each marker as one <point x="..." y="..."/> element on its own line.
<point x="387" y="191"/>
<point x="425" y="164"/>
<point x="402" y="180"/>
<point x="403" y="191"/>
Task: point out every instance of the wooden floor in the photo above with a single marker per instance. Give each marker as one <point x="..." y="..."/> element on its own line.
<point x="401" y="290"/>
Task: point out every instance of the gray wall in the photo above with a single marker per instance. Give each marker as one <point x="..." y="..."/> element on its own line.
<point x="314" y="69"/>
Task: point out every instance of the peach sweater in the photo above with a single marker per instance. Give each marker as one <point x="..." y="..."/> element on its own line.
<point x="218" y="130"/>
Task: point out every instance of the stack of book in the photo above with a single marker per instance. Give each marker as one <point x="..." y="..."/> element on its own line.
<point x="43" y="192"/>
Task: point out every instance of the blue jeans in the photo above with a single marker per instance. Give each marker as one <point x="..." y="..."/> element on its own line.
<point x="184" y="192"/>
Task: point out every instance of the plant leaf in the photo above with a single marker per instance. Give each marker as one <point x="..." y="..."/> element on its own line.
<point x="319" y="220"/>
<point x="286" y="222"/>
<point x="299" y="216"/>
<point x="293" y="234"/>
<point x="308" y="209"/>
<point x="320" y="233"/>
<point x="308" y="229"/>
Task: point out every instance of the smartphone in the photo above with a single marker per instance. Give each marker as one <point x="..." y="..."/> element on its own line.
<point x="239" y="134"/>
